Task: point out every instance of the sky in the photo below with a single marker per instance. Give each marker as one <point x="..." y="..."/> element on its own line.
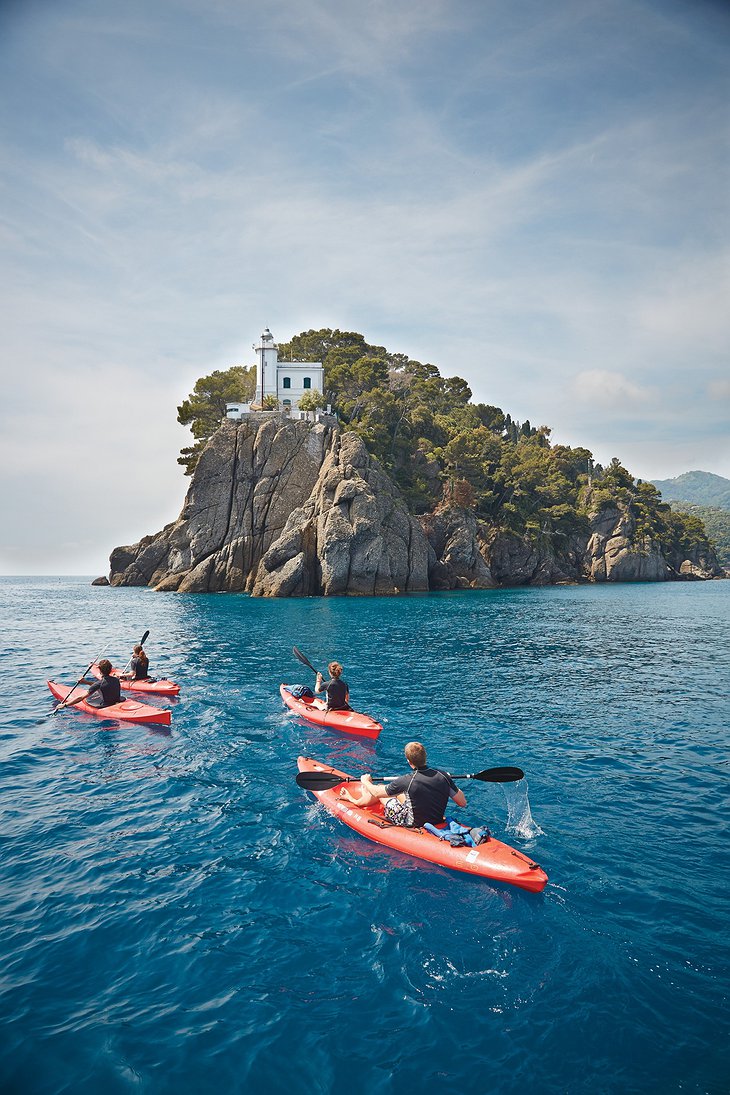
<point x="534" y="197"/>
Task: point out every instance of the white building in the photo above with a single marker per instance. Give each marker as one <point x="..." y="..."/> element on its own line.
<point x="287" y="381"/>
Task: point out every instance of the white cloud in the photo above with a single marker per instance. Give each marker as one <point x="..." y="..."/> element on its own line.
<point x="609" y="389"/>
<point x="466" y="184"/>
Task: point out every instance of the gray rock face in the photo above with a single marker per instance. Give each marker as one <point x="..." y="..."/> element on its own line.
<point x="352" y="535"/>
<point x="282" y="508"/>
<point x="612" y="555"/>
<point x="459" y="552"/>
<point x="469" y="552"/>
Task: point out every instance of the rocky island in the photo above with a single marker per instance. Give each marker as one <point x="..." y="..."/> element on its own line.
<point x="391" y="480"/>
<point x="284" y="508"/>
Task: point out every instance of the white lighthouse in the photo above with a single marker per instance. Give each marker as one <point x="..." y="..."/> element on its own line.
<point x="286" y="381"/>
<point x="267" y="356"/>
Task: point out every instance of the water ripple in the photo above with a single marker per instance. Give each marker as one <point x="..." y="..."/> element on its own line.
<point x="179" y="916"/>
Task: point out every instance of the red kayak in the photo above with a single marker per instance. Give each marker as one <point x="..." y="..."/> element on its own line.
<point x="492" y="859"/>
<point x="151" y="687"/>
<point x="315" y="712"/>
<point x="126" y="711"/>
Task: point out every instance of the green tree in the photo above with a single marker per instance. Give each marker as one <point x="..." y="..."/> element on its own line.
<point x="312" y="401"/>
<point x="206" y="406"/>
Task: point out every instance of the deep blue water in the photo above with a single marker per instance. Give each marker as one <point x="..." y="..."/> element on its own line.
<point x="178" y="916"/>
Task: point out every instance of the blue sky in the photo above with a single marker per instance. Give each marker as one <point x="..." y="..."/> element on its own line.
<point x="533" y="196"/>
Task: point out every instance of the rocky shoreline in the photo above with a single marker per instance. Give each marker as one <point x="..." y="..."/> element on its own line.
<point x="282" y="508"/>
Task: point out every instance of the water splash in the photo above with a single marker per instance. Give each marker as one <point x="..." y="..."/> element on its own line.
<point x="519" y="816"/>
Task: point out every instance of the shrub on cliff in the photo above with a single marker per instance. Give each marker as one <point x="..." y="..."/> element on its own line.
<point x="206" y="405"/>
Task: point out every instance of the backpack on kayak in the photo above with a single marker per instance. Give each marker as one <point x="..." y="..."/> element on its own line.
<point x="300" y="691"/>
<point x="460" y="836"/>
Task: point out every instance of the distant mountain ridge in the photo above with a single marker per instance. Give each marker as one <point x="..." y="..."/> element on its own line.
<point x="702" y="488"/>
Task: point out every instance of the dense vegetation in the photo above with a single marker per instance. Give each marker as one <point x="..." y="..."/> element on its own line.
<point x="440" y="447"/>
<point x="717" y="523"/>
<point x="206" y="405"/>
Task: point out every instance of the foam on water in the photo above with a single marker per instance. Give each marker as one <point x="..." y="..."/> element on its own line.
<point x="519" y="816"/>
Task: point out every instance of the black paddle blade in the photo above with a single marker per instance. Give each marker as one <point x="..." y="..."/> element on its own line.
<point x="321" y="781"/>
<point x="499" y="775"/>
<point x="304" y="660"/>
<point x="144" y="638"/>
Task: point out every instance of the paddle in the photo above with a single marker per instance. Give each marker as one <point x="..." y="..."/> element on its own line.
<point x="305" y="661"/>
<point x="323" y="781"/>
<point x="78" y="682"/>
<point x="142" y="641"/>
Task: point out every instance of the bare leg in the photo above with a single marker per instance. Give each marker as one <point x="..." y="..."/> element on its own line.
<point x="363" y="799"/>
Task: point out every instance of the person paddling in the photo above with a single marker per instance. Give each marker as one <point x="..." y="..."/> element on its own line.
<point x="139" y="666"/>
<point x="102" y="693"/>
<point x="414" y="799"/>
<point x="338" y="694"/>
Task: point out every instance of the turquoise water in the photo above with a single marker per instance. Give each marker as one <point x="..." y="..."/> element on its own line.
<point x="178" y="916"/>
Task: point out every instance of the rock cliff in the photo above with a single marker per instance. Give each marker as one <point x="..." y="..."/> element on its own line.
<point x="281" y="508"/>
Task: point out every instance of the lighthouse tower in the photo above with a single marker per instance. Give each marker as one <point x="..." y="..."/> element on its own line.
<point x="267" y="355"/>
<point x="286" y="381"/>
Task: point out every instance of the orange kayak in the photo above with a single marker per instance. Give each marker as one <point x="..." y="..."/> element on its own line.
<point x="492" y="859"/>
<point x="315" y="711"/>
<point x="126" y="711"/>
<point x="152" y="688"/>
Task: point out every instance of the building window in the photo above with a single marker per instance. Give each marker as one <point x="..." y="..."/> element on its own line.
<point x="307" y="383"/>
<point x="286" y="382"/>
<point x="287" y="402"/>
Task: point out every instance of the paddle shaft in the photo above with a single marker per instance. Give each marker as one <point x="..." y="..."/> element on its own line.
<point x="322" y="781"/>
<point x="78" y="682"/>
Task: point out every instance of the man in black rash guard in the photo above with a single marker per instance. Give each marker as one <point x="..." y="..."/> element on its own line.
<point x="338" y="694"/>
<point x="105" y="692"/>
<point x="413" y="799"/>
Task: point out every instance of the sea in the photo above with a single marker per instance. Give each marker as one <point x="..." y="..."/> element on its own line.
<point x="179" y="916"/>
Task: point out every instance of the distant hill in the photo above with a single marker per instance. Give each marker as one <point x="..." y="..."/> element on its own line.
<point x="701" y="488"/>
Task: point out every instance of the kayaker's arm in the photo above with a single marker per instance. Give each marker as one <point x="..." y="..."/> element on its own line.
<point x="459" y="799"/>
<point x="71" y="703"/>
<point x="318" y="683"/>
